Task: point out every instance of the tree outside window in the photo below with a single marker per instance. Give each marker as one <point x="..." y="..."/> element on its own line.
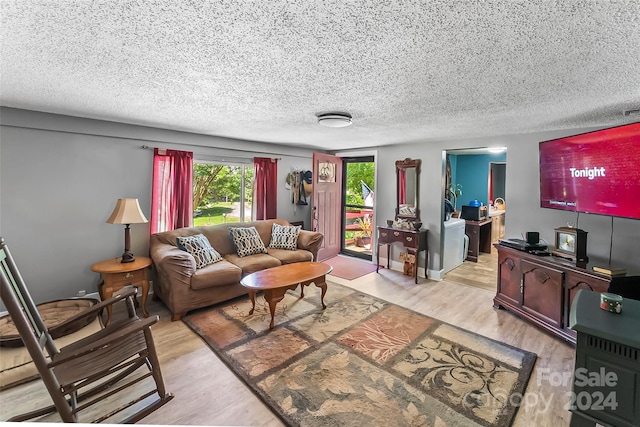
<point x="222" y="193"/>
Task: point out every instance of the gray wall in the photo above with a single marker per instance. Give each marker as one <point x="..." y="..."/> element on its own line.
<point x="60" y="178"/>
<point x="522" y="198"/>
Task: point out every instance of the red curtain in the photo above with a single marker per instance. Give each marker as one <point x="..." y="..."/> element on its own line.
<point x="265" y="188"/>
<point x="402" y="186"/>
<point x="172" y="193"/>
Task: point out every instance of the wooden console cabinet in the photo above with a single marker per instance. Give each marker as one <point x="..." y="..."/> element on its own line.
<point x="413" y="241"/>
<point x="541" y="289"/>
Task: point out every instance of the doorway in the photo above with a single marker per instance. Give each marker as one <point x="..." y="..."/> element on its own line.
<point x="358" y="195"/>
<point x="469" y="175"/>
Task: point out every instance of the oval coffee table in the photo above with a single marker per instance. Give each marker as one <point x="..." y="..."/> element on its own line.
<point x="276" y="281"/>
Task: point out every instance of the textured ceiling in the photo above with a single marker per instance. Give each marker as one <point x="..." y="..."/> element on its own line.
<point x="408" y="71"/>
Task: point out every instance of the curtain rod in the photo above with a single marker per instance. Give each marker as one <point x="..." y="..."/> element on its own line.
<point x="146" y="147"/>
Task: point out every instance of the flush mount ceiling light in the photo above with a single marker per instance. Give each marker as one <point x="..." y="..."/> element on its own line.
<point x="335" y="119"/>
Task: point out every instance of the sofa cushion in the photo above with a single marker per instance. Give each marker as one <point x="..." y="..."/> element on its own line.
<point x="199" y="246"/>
<point x="247" y="241"/>
<point x="288" y="257"/>
<point x="252" y="263"/>
<point x="218" y="274"/>
<point x="284" y="237"/>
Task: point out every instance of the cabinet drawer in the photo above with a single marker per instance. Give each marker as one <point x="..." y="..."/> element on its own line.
<point x="116" y="279"/>
<point x="384" y="236"/>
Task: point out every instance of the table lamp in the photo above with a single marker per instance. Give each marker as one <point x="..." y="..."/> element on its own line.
<point x="127" y="211"/>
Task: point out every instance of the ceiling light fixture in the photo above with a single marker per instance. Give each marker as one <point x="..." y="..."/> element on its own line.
<point x="335" y="119"/>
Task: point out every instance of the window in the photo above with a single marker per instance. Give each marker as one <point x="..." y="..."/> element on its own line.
<point x="222" y="192"/>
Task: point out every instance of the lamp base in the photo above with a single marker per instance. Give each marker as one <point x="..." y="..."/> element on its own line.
<point x="127" y="256"/>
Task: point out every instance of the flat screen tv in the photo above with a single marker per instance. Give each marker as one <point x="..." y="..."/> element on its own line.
<point x="596" y="172"/>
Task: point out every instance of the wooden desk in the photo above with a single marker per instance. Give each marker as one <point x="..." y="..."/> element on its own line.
<point x="116" y="275"/>
<point x="479" y="233"/>
<point x="413" y="241"/>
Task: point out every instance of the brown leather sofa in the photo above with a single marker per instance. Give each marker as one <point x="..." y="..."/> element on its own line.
<point x="182" y="287"/>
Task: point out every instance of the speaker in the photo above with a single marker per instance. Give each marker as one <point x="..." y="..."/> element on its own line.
<point x="533" y="237"/>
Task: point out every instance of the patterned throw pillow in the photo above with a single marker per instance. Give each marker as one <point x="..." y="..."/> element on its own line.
<point x="247" y="241"/>
<point x="199" y="246"/>
<point x="284" y="237"/>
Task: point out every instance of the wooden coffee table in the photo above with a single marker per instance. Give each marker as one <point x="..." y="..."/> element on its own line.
<point x="276" y="281"/>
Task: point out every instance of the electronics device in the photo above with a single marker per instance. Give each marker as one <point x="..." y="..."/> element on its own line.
<point x="595" y="172"/>
<point x="475" y="213"/>
<point x="523" y="245"/>
<point x="532" y="237"/>
<point x="571" y="243"/>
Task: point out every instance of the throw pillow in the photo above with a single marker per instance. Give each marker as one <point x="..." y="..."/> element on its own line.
<point x="284" y="237"/>
<point x="199" y="246"/>
<point x="247" y="241"/>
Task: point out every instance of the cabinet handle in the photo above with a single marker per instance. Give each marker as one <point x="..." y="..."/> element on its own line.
<point x="521" y="286"/>
<point x="396" y="233"/>
<point x="383" y="234"/>
<point x="409" y="239"/>
<point x="128" y="275"/>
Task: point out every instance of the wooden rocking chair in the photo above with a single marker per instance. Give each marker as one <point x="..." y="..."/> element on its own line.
<point x="91" y="369"/>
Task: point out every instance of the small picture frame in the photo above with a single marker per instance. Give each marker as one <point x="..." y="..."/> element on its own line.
<point x="326" y="172"/>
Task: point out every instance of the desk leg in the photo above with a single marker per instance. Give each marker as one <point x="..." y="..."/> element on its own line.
<point x="377" y="256"/>
<point x="426" y="262"/>
<point x="416" y="254"/>
<point x="388" y="256"/>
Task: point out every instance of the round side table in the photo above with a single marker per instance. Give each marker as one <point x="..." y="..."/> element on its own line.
<point x="116" y="275"/>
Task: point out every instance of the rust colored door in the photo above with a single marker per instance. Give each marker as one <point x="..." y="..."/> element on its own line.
<point x="327" y="203"/>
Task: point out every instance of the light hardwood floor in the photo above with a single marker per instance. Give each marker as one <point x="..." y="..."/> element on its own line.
<point x="208" y="393"/>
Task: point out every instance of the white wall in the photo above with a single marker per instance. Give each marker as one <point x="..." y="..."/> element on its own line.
<point x="60" y="178"/>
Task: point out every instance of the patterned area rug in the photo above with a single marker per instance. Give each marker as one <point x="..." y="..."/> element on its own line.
<point x="364" y="361"/>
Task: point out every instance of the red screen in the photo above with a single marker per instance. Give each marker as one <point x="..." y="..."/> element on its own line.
<point x="596" y="172"/>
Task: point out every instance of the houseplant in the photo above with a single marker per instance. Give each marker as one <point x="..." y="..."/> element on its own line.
<point x="363" y="234"/>
<point x="455" y="191"/>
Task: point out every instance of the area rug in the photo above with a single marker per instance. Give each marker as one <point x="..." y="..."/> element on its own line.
<point x="349" y="268"/>
<point x="364" y="361"/>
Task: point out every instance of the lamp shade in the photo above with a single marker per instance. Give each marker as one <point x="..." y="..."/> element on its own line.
<point x="127" y="211"/>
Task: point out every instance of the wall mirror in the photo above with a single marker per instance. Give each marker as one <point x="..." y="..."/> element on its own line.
<point x="408" y="189"/>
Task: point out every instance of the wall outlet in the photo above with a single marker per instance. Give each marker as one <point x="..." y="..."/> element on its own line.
<point x="81" y="293"/>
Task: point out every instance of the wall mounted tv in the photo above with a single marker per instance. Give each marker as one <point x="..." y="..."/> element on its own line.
<point x="595" y="172"/>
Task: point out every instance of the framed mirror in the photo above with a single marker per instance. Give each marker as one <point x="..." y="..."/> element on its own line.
<point x="408" y="189"/>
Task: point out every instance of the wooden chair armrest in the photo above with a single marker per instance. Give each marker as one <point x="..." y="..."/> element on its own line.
<point x="89" y="344"/>
<point x="96" y="308"/>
